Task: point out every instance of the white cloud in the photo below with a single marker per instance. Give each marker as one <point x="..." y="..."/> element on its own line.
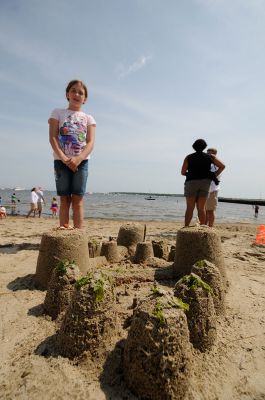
<point x="124" y="70"/>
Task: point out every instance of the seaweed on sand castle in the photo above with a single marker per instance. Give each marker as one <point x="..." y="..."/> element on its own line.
<point x="201" y="314"/>
<point x="98" y="286"/>
<point x="193" y="282"/>
<point x="171" y="301"/>
<point x="210" y="274"/>
<point x="89" y="324"/>
<point x="61" y="287"/>
<point x="168" y="302"/>
<point x="62" y="266"/>
<point x="84" y="280"/>
<point x="158" y="312"/>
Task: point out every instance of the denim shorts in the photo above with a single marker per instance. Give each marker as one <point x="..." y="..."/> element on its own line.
<point x="197" y="188"/>
<point x="69" y="182"/>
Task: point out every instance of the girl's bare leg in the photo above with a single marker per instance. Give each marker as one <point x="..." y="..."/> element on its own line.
<point x="64" y="213"/>
<point x="78" y="210"/>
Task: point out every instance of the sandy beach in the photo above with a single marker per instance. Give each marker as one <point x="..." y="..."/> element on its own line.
<point x="30" y="369"/>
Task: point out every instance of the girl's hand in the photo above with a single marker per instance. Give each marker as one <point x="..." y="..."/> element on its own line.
<point x="73" y="163"/>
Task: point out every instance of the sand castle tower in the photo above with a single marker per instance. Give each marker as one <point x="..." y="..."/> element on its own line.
<point x="94" y="247"/>
<point x="201" y="314"/>
<point x="130" y="234"/>
<point x="60" y="288"/>
<point x="210" y="274"/>
<point x="157" y="352"/>
<point x="60" y="245"/>
<point x="144" y="250"/>
<point x="160" y="249"/>
<point x="110" y="251"/>
<point x="90" y="323"/>
<point x="194" y="244"/>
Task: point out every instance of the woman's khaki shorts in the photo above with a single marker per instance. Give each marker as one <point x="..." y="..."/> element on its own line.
<point x="212" y="201"/>
<point x="197" y="188"/>
<point x="33" y="206"/>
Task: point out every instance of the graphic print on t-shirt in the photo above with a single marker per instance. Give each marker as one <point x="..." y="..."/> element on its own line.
<point x="72" y="135"/>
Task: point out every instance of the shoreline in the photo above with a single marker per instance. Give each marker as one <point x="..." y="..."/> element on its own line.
<point x="255" y="223"/>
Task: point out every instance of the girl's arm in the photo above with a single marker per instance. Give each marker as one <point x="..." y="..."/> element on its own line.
<point x="53" y="137"/>
<point x="184" y="168"/>
<point x="219" y="164"/>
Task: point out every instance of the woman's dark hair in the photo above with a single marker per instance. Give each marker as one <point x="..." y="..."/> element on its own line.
<point x="74" y="82"/>
<point x="199" y="145"/>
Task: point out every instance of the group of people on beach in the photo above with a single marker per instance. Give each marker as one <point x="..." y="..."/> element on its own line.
<point x="37" y="202"/>
<point x="202" y="170"/>
<point x="72" y="136"/>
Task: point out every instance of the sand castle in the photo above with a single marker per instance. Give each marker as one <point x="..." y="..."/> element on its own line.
<point x="166" y="326"/>
<point x="157" y="353"/>
<point x="201" y="313"/>
<point x="210" y="274"/>
<point x="60" y="288"/>
<point x="131" y="234"/>
<point x="197" y="243"/>
<point x="58" y="245"/>
<point x="89" y="324"/>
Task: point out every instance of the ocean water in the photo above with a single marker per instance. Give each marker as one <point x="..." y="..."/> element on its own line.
<point x="136" y="207"/>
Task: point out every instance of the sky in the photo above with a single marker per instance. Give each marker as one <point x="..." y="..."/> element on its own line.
<point x="160" y="74"/>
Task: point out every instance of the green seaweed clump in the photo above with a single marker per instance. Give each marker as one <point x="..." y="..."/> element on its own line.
<point x="155" y="290"/>
<point x="84" y="280"/>
<point x="201" y="263"/>
<point x="98" y="289"/>
<point x="158" y="313"/>
<point x="62" y="266"/>
<point x="193" y="281"/>
<point x="179" y="303"/>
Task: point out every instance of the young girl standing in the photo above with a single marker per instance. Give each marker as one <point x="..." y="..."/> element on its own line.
<point x="72" y="135"/>
<point x="54" y="207"/>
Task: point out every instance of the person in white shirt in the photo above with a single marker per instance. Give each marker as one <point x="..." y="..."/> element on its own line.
<point x="40" y="201"/>
<point x="33" y="202"/>
<point x="212" y="200"/>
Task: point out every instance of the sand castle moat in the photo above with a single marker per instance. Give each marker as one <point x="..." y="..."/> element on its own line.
<point x="158" y="330"/>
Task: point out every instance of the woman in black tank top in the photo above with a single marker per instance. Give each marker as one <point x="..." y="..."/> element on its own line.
<point x="197" y="169"/>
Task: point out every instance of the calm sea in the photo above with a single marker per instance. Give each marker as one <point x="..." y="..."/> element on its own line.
<point x="136" y="207"/>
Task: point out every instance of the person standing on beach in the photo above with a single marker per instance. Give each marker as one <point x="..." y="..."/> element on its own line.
<point x="256" y="210"/>
<point x="197" y="169"/>
<point x="212" y="200"/>
<point x="14" y="201"/>
<point x="72" y="136"/>
<point x="41" y="200"/>
<point x="54" y="207"/>
<point x="33" y="202"/>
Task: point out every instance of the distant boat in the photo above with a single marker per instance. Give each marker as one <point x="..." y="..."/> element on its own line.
<point x="19" y="188"/>
<point x="150" y="198"/>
